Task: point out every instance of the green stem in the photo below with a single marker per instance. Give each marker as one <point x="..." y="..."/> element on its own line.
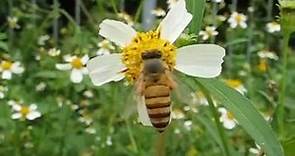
<point x="216" y="119"/>
<point x="160" y="144"/>
<point x="131" y="136"/>
<point x="138" y="11"/>
<point x="114" y="7"/>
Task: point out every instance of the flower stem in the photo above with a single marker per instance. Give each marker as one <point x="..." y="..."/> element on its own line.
<point x="131" y="137"/>
<point x="114" y="7"/>
<point x="160" y="144"/>
<point x="216" y="119"/>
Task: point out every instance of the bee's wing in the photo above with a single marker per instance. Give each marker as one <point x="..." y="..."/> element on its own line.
<point x="200" y="60"/>
<point x="106" y="68"/>
<point x="142" y="112"/>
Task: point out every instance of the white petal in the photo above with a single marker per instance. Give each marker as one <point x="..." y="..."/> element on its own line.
<point x="33" y="107"/>
<point x="229" y="124"/>
<point x="106" y="68"/>
<point x="200" y="60"/>
<point x="243" y="25"/>
<point x="16" y="107"/>
<point x="142" y="112"/>
<point x="222" y="111"/>
<point x="175" y="22"/>
<point x="16" y="68"/>
<point x="254" y="151"/>
<point x="65" y="66"/>
<point x="33" y="115"/>
<point x="84" y="59"/>
<point x="16" y="115"/>
<point x="68" y="58"/>
<point x="76" y="76"/>
<point x="117" y="32"/>
<point x="6" y="75"/>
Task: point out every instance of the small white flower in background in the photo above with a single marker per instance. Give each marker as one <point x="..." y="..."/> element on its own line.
<point x="210" y="31"/>
<point x="176" y="131"/>
<point x="188" y="124"/>
<point x="86" y="119"/>
<point x="237" y="19"/>
<point x="105" y="47"/>
<point x="258" y="151"/>
<point x="273" y="27"/>
<point x="90" y="130"/>
<point x="237" y="85"/>
<point x="88" y="94"/>
<point x="159" y="12"/>
<point x="267" y="54"/>
<point x="53" y="52"/>
<point x="177" y="114"/>
<point x="127" y="18"/>
<point x="201" y="99"/>
<point x="267" y="116"/>
<point x="227" y="118"/>
<point x="40" y="87"/>
<point x="109" y="141"/>
<point x="12" y="22"/>
<point x="77" y="65"/>
<point x="7" y="68"/>
<point x="171" y="3"/>
<point x="217" y="1"/>
<point x="28" y="145"/>
<point x="24" y="112"/>
<point x="2" y="91"/>
<point x="42" y="39"/>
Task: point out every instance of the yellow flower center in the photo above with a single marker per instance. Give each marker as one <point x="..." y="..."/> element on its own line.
<point x="239" y="19"/>
<point x="234" y="83"/>
<point x="24" y="111"/>
<point x="77" y="63"/>
<point x="262" y="66"/>
<point x="6" y="65"/>
<point x="131" y="55"/>
<point x="230" y="115"/>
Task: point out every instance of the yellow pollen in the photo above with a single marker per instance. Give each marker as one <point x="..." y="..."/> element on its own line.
<point x="24" y="111"/>
<point x="230" y="115"/>
<point x="77" y="63"/>
<point x="234" y="83"/>
<point x="6" y="65"/>
<point x="131" y="55"/>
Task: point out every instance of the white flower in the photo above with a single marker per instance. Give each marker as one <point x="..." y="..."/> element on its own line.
<point x="2" y="91"/>
<point x="53" y="52"/>
<point x="177" y="114"/>
<point x="159" y="12"/>
<point x="227" y="118"/>
<point x="217" y="1"/>
<point x="210" y="31"/>
<point x="90" y="130"/>
<point x="12" y="22"/>
<point x="76" y="64"/>
<point x="267" y="54"/>
<point x="188" y="124"/>
<point x="40" y="87"/>
<point x="105" y="48"/>
<point x="221" y="18"/>
<point x="237" y="19"/>
<point x="88" y="94"/>
<point x="237" y="85"/>
<point x="273" y="27"/>
<point x="8" y="68"/>
<point x="258" y="151"/>
<point x="25" y="112"/>
<point x="109" y="141"/>
<point x="199" y="60"/>
<point x="42" y="39"/>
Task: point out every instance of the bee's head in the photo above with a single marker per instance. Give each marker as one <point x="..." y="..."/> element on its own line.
<point x="151" y="54"/>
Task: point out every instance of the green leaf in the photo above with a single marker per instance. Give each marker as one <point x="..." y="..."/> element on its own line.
<point x="246" y="115"/>
<point x="196" y="7"/>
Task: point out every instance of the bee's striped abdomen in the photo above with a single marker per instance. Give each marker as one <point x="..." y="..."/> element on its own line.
<point x="157" y="100"/>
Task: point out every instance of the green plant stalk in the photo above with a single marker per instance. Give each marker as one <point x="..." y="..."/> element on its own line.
<point x="138" y="11"/>
<point x="114" y="7"/>
<point x="216" y="119"/>
<point x="160" y="144"/>
<point x="287" y="22"/>
<point x="131" y="136"/>
<point x="55" y="22"/>
<point x="78" y="12"/>
<point x="197" y="8"/>
<point x="10" y="30"/>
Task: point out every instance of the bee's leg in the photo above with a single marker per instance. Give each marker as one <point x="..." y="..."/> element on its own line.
<point x="140" y="85"/>
<point x="171" y="83"/>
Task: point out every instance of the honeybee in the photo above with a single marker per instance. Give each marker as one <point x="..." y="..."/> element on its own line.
<point x="155" y="85"/>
